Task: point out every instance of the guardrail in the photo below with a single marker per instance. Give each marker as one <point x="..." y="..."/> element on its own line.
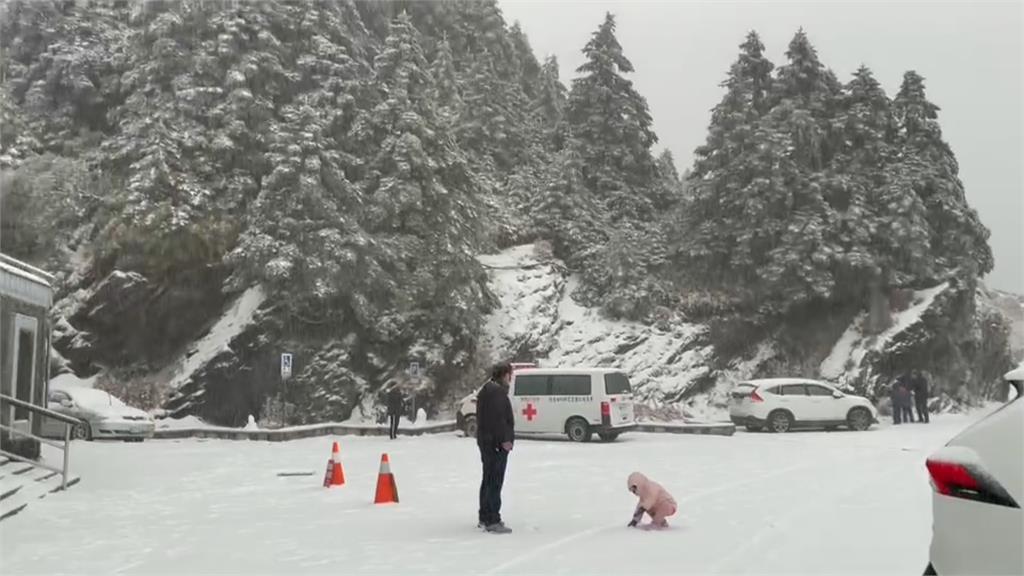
<point x="299" y="432"/>
<point x="63" y="445"/>
<point x="338" y="429"/>
<point x="713" y="428"/>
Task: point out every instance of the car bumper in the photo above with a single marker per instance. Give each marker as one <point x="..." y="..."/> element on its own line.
<point x="975" y="538"/>
<point x="618" y="429"/>
<point x="120" y="429"/>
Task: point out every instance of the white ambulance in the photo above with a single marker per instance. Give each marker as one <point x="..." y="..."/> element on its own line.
<point x="577" y="402"/>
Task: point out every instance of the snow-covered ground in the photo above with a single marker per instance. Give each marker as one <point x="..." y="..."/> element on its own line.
<point x="800" y="503"/>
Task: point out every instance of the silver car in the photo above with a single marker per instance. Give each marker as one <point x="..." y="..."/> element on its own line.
<point x="102" y="416"/>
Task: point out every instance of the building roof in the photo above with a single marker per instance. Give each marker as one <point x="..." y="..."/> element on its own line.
<point x="24" y="282"/>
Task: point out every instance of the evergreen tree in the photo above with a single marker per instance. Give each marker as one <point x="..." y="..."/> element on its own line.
<point x="733" y="174"/>
<point x="613" y="125"/>
<point x="494" y="124"/>
<point x="549" y="105"/>
<point x="421" y="193"/>
<point x="733" y="120"/>
<point x="565" y="212"/>
<point x="880" y="222"/>
<point x="446" y="93"/>
<point x="959" y="241"/>
<point x="527" y="68"/>
<point x="304" y="240"/>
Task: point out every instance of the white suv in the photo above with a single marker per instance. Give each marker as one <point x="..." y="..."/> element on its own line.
<point x="977" y="524"/>
<point x="782" y="404"/>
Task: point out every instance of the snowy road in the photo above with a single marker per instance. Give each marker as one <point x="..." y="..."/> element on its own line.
<point x="811" y="502"/>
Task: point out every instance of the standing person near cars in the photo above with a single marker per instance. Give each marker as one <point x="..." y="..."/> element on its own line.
<point x="396" y="403"/>
<point x="894" y="399"/>
<point x="906" y="403"/>
<point x="494" y="437"/>
<point x="920" y="386"/>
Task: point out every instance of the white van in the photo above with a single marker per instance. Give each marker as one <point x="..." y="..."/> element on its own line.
<point x="576" y="402"/>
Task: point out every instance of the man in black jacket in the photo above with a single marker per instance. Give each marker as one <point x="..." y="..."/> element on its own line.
<point x="396" y="403"/>
<point x="495" y="432"/>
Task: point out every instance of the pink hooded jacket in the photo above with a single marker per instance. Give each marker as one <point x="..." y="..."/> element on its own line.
<point x="653" y="497"/>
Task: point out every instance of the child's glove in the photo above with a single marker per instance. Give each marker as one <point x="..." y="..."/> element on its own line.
<point x="637" y="515"/>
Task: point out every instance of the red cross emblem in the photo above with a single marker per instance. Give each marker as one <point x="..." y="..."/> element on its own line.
<point x="529" y="412"/>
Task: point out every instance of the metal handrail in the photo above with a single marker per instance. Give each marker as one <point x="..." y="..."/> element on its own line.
<point x="40" y="410"/>
<point x="64" y="446"/>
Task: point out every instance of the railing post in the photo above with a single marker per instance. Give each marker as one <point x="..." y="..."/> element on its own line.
<point x="67" y="456"/>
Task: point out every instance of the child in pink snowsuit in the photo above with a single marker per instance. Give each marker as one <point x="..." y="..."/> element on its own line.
<point x="654" y="500"/>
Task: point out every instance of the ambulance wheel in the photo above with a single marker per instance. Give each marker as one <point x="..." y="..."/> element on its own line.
<point x="578" y="430"/>
<point x="469" y="426"/>
<point x="608" y="436"/>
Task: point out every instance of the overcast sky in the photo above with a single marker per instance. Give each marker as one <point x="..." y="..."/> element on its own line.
<point x="969" y="53"/>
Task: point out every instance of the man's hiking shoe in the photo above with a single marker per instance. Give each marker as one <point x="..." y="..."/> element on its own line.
<point x="498" y="528"/>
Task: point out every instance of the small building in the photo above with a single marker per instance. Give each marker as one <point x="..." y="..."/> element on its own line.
<point x="26" y="295"/>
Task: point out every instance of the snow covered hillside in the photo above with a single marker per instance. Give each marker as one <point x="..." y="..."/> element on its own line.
<point x="539" y="319"/>
<point x="676" y="368"/>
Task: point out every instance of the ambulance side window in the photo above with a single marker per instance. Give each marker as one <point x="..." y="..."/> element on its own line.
<point x="532" y="385"/>
<point x="570" y="385"/>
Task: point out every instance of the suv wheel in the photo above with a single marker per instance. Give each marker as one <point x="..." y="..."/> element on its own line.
<point x="859" y="419"/>
<point x="578" y="430"/>
<point x="469" y="426"/>
<point x="780" y="421"/>
<point x="81" y="431"/>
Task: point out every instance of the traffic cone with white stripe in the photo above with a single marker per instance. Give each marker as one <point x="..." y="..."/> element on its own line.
<point x="335" y="475"/>
<point x="387" y="491"/>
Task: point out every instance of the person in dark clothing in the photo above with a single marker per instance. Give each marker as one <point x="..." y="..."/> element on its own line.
<point x="396" y="403"/>
<point x="904" y="402"/>
<point x="897" y="413"/>
<point x="920" y="386"/>
<point x="494" y="437"/>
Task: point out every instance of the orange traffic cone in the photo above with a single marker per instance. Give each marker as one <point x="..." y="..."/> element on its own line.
<point x="335" y="475"/>
<point x="387" y="492"/>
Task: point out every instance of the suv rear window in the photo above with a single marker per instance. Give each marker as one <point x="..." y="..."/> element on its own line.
<point x="617" y="383"/>
<point x="792" y="390"/>
<point x="742" y="390"/>
<point x="570" y="385"/>
<point x="815" y="390"/>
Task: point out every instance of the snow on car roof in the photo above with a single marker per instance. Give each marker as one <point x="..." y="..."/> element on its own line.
<point x="568" y="370"/>
<point x="92" y="397"/>
<point x="774" y="381"/>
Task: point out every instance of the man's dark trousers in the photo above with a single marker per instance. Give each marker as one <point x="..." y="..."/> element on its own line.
<point x="922" y="408"/>
<point x="393" y="425"/>
<point x="494" y="461"/>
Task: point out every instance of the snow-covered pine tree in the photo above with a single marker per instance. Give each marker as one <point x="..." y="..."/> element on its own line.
<point x="566" y="213"/>
<point x="423" y="206"/>
<point x="550" y="103"/>
<point x="611" y="121"/>
<point x="716" y="232"/>
<point x="880" y="222"/>
<point x="447" y="95"/>
<point x="959" y="241"/>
